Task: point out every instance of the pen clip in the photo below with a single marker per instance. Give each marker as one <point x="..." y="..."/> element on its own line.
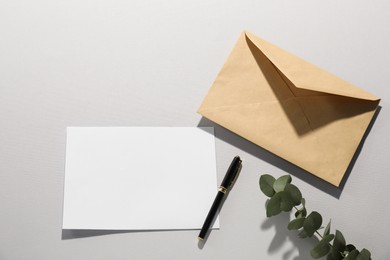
<point x="238" y="169"/>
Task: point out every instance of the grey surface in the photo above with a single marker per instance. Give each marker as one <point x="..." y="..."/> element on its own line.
<point x="150" y="63"/>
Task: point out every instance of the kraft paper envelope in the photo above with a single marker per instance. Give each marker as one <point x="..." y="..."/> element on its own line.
<point x="290" y="107"/>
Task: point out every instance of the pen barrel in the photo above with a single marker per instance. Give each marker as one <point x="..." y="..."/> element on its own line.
<point x="212" y="214"/>
<point x="232" y="172"/>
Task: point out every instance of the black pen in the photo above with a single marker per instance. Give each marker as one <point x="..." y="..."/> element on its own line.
<point x="227" y="182"/>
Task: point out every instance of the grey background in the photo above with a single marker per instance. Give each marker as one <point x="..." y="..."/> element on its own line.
<point x="150" y="63"/>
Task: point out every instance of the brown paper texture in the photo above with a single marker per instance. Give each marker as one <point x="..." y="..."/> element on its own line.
<point x="290" y="107"/>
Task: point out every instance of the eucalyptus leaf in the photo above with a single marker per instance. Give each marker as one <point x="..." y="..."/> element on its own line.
<point x="336" y="254"/>
<point x="295" y="224"/>
<point x="322" y="248"/>
<point x="328" y="238"/>
<point x="286" y="203"/>
<point x="338" y="245"/>
<point x="301" y="213"/>
<point x="273" y="206"/>
<point x="266" y="183"/>
<point x="294" y="193"/>
<point x="312" y="223"/>
<point x="352" y="255"/>
<point x="281" y="182"/>
<point x="349" y="248"/>
<point x="327" y="229"/>
<point x="330" y="257"/>
<point x="364" y="255"/>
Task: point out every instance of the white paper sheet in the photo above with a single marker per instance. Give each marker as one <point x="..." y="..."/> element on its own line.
<point x="139" y="178"/>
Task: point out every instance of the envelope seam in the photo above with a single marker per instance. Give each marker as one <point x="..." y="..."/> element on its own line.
<point x="292" y="92"/>
<point x="280" y="75"/>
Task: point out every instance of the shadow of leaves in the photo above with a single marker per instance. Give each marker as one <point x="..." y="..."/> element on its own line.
<point x="283" y="235"/>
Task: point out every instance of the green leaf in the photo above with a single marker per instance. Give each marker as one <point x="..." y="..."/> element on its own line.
<point x="273" y="206"/>
<point x="322" y="248"/>
<point x="327" y="229"/>
<point x="328" y="238"/>
<point x="330" y="257"/>
<point x="312" y="223"/>
<point x="286" y="203"/>
<point x="266" y="183"/>
<point x="294" y="193"/>
<point x="338" y="245"/>
<point x="364" y="255"/>
<point x="281" y="182"/>
<point x="352" y="255"/>
<point x="349" y="248"/>
<point x="301" y="213"/>
<point x="295" y="224"/>
<point x="336" y="255"/>
<point x="279" y="202"/>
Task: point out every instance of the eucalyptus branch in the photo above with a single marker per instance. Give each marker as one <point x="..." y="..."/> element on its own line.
<point x="285" y="196"/>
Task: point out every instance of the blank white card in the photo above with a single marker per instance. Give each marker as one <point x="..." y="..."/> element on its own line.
<point x="139" y="178"/>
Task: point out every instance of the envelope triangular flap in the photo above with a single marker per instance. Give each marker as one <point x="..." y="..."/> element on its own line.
<point x="242" y="82"/>
<point x="305" y="75"/>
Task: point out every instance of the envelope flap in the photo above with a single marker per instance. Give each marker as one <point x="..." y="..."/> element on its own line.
<point x="305" y="75"/>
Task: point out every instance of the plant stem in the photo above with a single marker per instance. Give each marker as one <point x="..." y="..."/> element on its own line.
<point x="319" y="235"/>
